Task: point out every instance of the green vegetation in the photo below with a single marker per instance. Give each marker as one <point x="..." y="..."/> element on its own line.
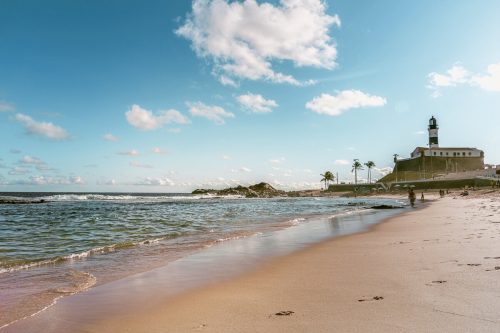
<point x="370" y="165"/>
<point x="327" y="178"/>
<point x="355" y="167"/>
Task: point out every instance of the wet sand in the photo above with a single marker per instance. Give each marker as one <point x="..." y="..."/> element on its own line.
<point x="436" y="269"/>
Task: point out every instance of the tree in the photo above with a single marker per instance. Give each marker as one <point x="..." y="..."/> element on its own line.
<point x="370" y="165"/>
<point x="327" y="178"/>
<point x="355" y="167"/>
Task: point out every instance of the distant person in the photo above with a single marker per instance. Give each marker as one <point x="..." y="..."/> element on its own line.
<point x="412" y="197"/>
<point x="422" y="198"/>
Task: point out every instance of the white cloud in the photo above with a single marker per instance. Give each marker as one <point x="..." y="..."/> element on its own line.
<point x="277" y="160"/>
<point x="110" y="137"/>
<point x="43" y="129"/>
<point x="490" y="81"/>
<point x="137" y="164"/>
<point x="383" y="171"/>
<point x="227" y="81"/>
<point x="18" y="171"/>
<point x="245" y="169"/>
<point x="226" y="157"/>
<point x="108" y="182"/>
<point x="458" y="75"/>
<point x="256" y="103"/>
<point x="76" y="180"/>
<point x="161" y="181"/>
<point x="132" y="152"/>
<point x="44" y="168"/>
<point x="342" y="162"/>
<point x="343" y="101"/>
<point x="242" y="39"/>
<point x="147" y="120"/>
<point x="420" y="132"/>
<point x="6" y="107"/>
<point x="213" y="113"/>
<point x="159" y="151"/>
<point x="455" y="75"/>
<point x="31" y="160"/>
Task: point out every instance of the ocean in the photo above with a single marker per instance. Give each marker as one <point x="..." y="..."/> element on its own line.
<point x="75" y="241"/>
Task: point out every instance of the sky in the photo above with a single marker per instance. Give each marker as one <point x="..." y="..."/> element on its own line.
<point x="169" y="96"/>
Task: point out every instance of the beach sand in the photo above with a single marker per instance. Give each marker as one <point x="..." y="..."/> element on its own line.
<point x="435" y="269"/>
<point x="431" y="270"/>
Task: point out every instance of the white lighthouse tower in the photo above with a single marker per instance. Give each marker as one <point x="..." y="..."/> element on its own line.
<point x="433" y="133"/>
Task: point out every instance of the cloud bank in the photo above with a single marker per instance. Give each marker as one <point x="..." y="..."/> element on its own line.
<point x="242" y="39"/>
<point x="459" y="75"/>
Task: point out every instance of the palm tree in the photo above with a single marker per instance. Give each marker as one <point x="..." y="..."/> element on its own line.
<point x="355" y="167"/>
<point x="370" y="165"/>
<point x="327" y="177"/>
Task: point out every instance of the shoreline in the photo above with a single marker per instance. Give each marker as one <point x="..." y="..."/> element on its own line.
<point x="396" y="276"/>
<point x="255" y="252"/>
<point x="396" y="282"/>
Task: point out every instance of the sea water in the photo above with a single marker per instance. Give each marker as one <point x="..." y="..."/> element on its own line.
<point x="75" y="241"/>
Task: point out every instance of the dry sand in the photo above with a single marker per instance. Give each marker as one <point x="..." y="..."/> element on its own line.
<point x="431" y="270"/>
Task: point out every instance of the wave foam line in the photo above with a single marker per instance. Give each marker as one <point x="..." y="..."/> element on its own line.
<point x="81" y="255"/>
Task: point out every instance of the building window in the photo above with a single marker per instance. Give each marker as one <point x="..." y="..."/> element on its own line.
<point x="446" y="153"/>
<point x="470" y="153"/>
<point x="454" y="154"/>
<point x="463" y="154"/>
<point x="441" y="153"/>
<point x="434" y="153"/>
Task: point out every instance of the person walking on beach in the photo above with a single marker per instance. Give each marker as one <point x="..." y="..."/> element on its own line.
<point x="422" y="198"/>
<point x="412" y="197"/>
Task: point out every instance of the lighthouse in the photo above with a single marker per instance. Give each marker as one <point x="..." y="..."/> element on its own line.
<point x="433" y="133"/>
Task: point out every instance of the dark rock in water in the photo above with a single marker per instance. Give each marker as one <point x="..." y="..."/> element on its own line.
<point x="261" y="190"/>
<point x="19" y="201"/>
<point x="204" y="191"/>
<point x="385" y="207"/>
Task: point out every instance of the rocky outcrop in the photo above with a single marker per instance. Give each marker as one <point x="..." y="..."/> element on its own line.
<point x="19" y="201"/>
<point x="261" y="190"/>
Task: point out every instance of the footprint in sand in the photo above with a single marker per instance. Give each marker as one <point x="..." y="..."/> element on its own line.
<point x="439" y="281"/>
<point x="202" y="326"/>
<point x="374" y="298"/>
<point x="284" y="313"/>
<point x="494" y="269"/>
<point x="473" y="264"/>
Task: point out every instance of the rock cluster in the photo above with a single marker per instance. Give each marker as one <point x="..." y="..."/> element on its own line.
<point x="261" y="190"/>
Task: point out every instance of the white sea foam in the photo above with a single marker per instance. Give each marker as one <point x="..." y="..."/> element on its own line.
<point x="81" y="255"/>
<point x="296" y="221"/>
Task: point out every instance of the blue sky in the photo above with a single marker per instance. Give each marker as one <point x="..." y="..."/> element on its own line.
<point x="174" y="95"/>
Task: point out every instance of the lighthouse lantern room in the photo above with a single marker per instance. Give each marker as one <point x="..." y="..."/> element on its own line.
<point x="433" y="133"/>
